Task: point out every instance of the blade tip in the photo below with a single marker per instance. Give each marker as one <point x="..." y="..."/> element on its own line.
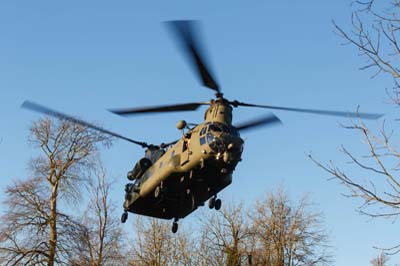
<point x="371" y="116"/>
<point x="25" y="104"/>
<point x="114" y="111"/>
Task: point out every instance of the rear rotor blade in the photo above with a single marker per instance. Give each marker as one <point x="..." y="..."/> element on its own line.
<point x="371" y="116"/>
<point x="268" y="120"/>
<point x="186" y="34"/>
<point x="160" y="108"/>
<point x="44" y="110"/>
<point x="165" y="145"/>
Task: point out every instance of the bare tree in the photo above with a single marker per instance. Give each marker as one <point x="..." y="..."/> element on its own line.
<point x="277" y="232"/>
<point x="33" y="227"/>
<point x="375" y="34"/>
<point x="288" y="234"/>
<point x="24" y="230"/>
<point x="101" y="238"/>
<point x="381" y="260"/>
<point x="225" y="235"/>
<point x="155" y="245"/>
<point x="379" y="187"/>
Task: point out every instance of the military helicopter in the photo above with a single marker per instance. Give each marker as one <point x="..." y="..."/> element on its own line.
<point x="174" y="179"/>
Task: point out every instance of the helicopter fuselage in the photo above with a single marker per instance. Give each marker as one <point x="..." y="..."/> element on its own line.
<point x="189" y="172"/>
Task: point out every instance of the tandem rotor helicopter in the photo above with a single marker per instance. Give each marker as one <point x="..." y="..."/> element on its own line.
<point x="174" y="179"/>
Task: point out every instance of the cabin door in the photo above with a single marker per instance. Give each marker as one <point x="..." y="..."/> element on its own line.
<point x="185" y="152"/>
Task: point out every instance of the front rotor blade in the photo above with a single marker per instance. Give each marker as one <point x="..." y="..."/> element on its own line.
<point x="186" y="34"/>
<point x="44" y="110"/>
<point x="371" y="116"/>
<point x="268" y="120"/>
<point x="160" y="108"/>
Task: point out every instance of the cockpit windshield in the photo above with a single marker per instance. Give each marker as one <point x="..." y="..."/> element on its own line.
<point x="218" y="128"/>
<point x="215" y="128"/>
<point x="218" y="135"/>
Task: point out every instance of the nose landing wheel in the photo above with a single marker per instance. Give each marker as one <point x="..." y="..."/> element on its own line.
<point x="124" y="217"/>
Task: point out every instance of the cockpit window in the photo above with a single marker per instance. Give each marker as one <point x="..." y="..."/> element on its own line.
<point x="203" y="131"/>
<point x="215" y="128"/>
<point x="219" y="128"/>
<point x="210" y="138"/>
<point x="215" y="143"/>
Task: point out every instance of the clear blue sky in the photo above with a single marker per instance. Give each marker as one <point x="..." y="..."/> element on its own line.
<point x="82" y="57"/>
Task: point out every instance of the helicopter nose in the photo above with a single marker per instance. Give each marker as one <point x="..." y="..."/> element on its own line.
<point x="230" y="146"/>
<point x="233" y="152"/>
<point x="235" y="145"/>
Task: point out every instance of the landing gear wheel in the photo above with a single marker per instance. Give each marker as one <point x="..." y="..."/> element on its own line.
<point x="211" y="203"/>
<point x="124" y="217"/>
<point x="175" y="226"/>
<point x="218" y="204"/>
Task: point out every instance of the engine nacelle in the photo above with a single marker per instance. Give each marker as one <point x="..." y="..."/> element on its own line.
<point x="140" y="167"/>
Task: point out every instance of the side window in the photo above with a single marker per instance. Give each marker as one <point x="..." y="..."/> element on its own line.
<point x="185" y="145"/>
<point x="202" y="140"/>
<point x="203" y="131"/>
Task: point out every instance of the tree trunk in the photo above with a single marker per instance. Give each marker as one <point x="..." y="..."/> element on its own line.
<point x="53" y="225"/>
